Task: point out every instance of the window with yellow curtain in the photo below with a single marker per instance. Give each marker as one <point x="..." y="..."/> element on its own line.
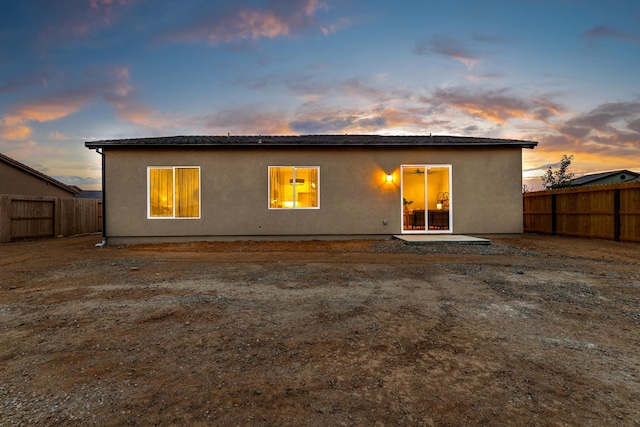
<point x="294" y="187"/>
<point x="174" y="192"/>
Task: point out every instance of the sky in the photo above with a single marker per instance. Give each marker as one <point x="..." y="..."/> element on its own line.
<point x="564" y="73"/>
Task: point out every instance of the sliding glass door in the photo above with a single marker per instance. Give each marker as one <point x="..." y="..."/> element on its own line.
<point x="426" y="198"/>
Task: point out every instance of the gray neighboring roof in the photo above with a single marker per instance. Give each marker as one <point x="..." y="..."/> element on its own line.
<point x="312" y="141"/>
<point x="27" y="169"/>
<point x="583" y="180"/>
<point x="89" y="194"/>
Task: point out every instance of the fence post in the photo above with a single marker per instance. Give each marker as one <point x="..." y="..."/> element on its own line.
<point x="616" y="215"/>
<point x="5" y="218"/>
<point x="554" y="223"/>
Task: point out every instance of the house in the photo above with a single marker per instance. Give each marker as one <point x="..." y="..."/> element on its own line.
<point x="612" y="177"/>
<point x="18" y="178"/>
<point x="187" y="188"/>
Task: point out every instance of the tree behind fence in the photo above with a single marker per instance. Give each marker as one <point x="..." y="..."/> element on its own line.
<point x="599" y="211"/>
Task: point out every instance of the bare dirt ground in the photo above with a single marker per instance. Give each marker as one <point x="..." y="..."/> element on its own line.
<point x="531" y="331"/>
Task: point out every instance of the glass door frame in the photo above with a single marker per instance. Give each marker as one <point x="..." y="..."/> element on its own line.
<point x="426" y="167"/>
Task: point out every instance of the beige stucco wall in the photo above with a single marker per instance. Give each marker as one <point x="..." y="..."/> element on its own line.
<point x="16" y="181"/>
<point x="354" y="199"/>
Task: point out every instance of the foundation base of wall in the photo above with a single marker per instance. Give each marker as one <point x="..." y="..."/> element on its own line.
<point x="134" y="240"/>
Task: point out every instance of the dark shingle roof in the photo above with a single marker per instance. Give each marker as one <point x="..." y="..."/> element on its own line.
<point x="38" y="174"/>
<point x="311" y="141"/>
<point x="596" y="176"/>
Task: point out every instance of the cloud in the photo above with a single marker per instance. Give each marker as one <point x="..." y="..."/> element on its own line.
<point x="479" y="77"/>
<point x="14" y="132"/>
<point x="634" y="125"/>
<point x="75" y="19"/>
<point x="450" y="48"/>
<point x="109" y="83"/>
<point x="248" y="120"/>
<point x="373" y="119"/>
<point x="50" y="107"/>
<point x="58" y="136"/>
<point x="608" y="136"/>
<point x="361" y="87"/>
<point x="496" y="106"/>
<point x="25" y="81"/>
<point x="608" y="118"/>
<point x="339" y="122"/>
<point x="238" y="24"/>
<point x="31" y="149"/>
<point x="341" y="24"/>
<point x="127" y="107"/>
<point x="606" y="32"/>
<point x="14" y="125"/>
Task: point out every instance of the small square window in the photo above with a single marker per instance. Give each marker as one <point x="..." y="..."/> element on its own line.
<point x="294" y="187"/>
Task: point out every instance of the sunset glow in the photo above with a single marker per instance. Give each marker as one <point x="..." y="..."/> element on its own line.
<point x="560" y="73"/>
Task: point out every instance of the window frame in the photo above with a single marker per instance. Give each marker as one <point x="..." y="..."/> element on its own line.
<point x="294" y="207"/>
<point x="173" y="169"/>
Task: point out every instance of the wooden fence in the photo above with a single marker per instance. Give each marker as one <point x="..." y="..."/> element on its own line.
<point x="600" y="211"/>
<point x="24" y="217"/>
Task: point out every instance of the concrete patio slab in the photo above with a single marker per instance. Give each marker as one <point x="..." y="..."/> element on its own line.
<point x="428" y="239"/>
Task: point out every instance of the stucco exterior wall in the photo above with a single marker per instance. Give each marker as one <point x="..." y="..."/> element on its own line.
<point x="16" y="181"/>
<point x="486" y="193"/>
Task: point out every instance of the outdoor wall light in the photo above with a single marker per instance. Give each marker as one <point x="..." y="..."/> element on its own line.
<point x="388" y="178"/>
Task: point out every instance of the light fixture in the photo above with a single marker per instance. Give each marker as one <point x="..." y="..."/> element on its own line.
<point x="442" y="201"/>
<point x="388" y="178"/>
<point x="299" y="181"/>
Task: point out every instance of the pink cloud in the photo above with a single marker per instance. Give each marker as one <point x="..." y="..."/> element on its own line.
<point x="75" y="19"/>
<point x="496" y="106"/>
<point x="14" y="132"/>
<point x="249" y="120"/>
<point x="450" y="48"/>
<point x="127" y="108"/>
<point x="281" y="18"/>
<point x="52" y="107"/>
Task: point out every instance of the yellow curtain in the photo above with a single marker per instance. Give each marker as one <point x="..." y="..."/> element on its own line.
<point x="277" y="181"/>
<point x="314" y="187"/>
<point x="288" y="191"/>
<point x="161" y="192"/>
<point x="187" y="192"/>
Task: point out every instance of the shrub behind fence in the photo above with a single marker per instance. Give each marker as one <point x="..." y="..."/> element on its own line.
<point x="600" y="211"/>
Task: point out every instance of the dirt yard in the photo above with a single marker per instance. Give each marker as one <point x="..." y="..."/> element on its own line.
<point x="531" y="331"/>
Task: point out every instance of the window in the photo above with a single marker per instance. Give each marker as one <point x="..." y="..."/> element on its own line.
<point x="294" y="187"/>
<point x="174" y="192"/>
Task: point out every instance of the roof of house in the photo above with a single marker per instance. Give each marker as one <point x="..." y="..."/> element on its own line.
<point x="38" y="174"/>
<point x="311" y="141"/>
<point x="89" y="194"/>
<point x="586" y="179"/>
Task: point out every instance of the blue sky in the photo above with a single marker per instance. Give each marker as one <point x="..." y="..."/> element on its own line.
<point x="561" y="72"/>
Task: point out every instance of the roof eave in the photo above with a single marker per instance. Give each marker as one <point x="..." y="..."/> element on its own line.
<point x="109" y="144"/>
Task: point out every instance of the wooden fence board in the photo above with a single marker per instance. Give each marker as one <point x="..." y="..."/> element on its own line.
<point x="24" y="217"/>
<point x="31" y="218"/>
<point x="630" y="214"/>
<point x="603" y="211"/>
